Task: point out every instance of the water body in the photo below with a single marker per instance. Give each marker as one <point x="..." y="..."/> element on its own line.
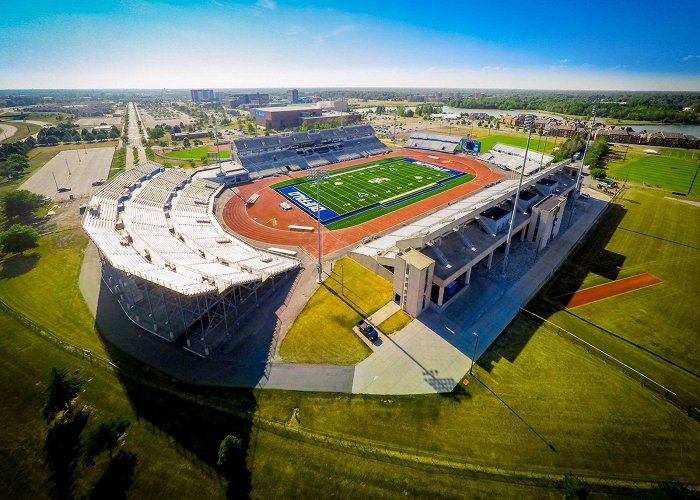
<point x="638" y="127"/>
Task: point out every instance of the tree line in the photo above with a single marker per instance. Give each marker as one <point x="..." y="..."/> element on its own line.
<point x="70" y="132"/>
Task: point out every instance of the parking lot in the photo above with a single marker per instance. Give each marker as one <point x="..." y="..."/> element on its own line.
<point x="76" y="169"/>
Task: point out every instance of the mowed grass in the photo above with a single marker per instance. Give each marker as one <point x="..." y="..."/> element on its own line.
<point x="671" y="169"/>
<point x="42" y="283"/>
<point x="195" y="153"/>
<point x="24" y="130"/>
<point x="655" y="328"/>
<point x="536" y="402"/>
<point x="323" y="333"/>
<point x="395" y="322"/>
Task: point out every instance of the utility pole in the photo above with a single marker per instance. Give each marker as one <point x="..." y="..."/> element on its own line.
<point x="694" y="177"/>
<point x="318" y="174"/>
<point x="66" y="160"/>
<point x="529" y="121"/>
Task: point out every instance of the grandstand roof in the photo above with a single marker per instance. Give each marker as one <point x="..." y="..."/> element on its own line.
<point x="419" y="232"/>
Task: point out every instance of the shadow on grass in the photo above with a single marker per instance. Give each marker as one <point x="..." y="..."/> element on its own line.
<point x="18" y="264"/>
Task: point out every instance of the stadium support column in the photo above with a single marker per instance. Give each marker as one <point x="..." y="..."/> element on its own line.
<point x="318" y="174"/>
<point x="529" y="122"/>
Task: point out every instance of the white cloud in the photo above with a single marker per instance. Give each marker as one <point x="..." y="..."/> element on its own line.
<point x="692" y="57"/>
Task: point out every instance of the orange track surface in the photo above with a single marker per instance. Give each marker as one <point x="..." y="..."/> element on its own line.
<point x="599" y="292"/>
<point x="266" y="222"/>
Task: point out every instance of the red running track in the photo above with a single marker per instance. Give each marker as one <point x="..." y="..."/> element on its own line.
<point x="594" y="293"/>
<point x="266" y="222"/>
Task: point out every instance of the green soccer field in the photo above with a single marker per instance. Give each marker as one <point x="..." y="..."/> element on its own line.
<point x="371" y="189"/>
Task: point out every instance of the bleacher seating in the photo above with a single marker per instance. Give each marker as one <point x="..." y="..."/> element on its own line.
<point x="179" y="246"/>
<point x="303" y="150"/>
<point x="442" y="143"/>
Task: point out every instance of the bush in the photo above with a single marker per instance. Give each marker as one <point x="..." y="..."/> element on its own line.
<point x="599" y="173"/>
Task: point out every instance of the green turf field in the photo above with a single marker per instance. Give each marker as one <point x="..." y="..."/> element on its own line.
<point x="671" y="169"/>
<point x="363" y="192"/>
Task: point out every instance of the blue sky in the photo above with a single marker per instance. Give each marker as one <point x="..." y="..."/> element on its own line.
<point x="641" y="45"/>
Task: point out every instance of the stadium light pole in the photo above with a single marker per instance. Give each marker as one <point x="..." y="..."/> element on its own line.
<point x="580" y="171"/>
<point x="546" y="136"/>
<point x="529" y="122"/>
<point x="476" y="342"/>
<point x="318" y="174"/>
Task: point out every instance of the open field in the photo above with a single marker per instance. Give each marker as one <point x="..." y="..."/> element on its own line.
<point x="337" y="308"/>
<point x="196" y="153"/>
<point x="671" y="169"/>
<point x="377" y="184"/>
<point x="653" y="329"/>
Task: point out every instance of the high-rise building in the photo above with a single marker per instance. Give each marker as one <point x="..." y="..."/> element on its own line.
<point x="202" y="95"/>
<point x="293" y="96"/>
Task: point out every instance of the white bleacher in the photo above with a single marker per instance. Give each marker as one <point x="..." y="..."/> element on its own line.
<point x="180" y="247"/>
<point x="511" y="158"/>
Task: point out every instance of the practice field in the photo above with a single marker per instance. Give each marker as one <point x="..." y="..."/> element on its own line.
<point x="366" y="191"/>
<point x="670" y="168"/>
<point x="196" y="153"/>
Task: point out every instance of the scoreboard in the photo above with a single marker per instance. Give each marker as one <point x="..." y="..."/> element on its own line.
<point x="470" y="146"/>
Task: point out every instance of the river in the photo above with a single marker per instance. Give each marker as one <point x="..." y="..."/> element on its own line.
<point x="681" y="129"/>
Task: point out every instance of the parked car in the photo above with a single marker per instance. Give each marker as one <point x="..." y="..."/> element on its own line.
<point x="98" y="182"/>
<point x="63" y="189"/>
<point x="367" y="330"/>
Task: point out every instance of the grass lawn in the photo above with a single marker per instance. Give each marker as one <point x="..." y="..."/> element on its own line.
<point x="643" y="232"/>
<point x="48" y="117"/>
<point x="195" y="153"/>
<point x="322" y="333"/>
<point x="118" y="162"/>
<point x="671" y="169"/>
<point x="395" y="322"/>
<point x="562" y="409"/>
<point x="43" y="284"/>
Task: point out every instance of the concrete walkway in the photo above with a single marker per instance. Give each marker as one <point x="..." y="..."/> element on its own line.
<point x="384" y="312"/>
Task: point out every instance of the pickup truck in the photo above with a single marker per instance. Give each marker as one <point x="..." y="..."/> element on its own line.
<point x="367" y="330"/>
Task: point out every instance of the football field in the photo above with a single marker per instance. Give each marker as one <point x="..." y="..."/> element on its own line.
<point x="378" y="187"/>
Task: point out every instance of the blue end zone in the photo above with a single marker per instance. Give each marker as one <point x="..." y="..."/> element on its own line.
<point x="310" y="205"/>
<point x="307" y="204"/>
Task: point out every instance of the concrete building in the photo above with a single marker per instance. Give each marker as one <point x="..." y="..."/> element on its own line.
<point x="288" y="117"/>
<point x="202" y="95"/>
<point x="546" y="220"/>
<point x="293" y="96"/>
<point x="413" y="276"/>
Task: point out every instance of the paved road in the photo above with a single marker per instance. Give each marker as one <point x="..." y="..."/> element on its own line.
<point x="134" y="137"/>
<point x="76" y="169"/>
<point x="7" y="131"/>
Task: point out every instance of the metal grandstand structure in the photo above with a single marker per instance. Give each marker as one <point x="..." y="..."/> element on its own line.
<point x="262" y="156"/>
<point x="432" y="141"/>
<point x="167" y="260"/>
<point x="512" y="158"/>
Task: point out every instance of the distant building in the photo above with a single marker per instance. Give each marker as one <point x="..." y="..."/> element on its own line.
<point x="288" y="117"/>
<point x="293" y="96"/>
<point x="202" y="95"/>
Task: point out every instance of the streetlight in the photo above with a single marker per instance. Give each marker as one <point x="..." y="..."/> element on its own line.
<point x="529" y="121"/>
<point x="574" y="193"/>
<point x="476" y="342"/>
<point x="694" y="177"/>
<point x="318" y="174"/>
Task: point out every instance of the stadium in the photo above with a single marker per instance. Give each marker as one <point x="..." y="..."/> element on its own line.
<point x="189" y="255"/>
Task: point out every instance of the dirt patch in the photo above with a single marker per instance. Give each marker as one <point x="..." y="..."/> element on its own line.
<point x="611" y="289"/>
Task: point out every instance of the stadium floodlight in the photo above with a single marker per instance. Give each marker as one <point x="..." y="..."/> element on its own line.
<point x="529" y="123"/>
<point x="318" y="174"/>
<point x="577" y="187"/>
<point x="476" y="342"/>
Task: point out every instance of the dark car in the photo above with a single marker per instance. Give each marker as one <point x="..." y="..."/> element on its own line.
<point x="63" y="189"/>
<point x="367" y="330"/>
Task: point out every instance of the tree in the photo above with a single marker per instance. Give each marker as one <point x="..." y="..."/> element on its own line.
<point x="574" y="488"/>
<point x="104" y="438"/>
<point x="60" y="392"/>
<point x="186" y="142"/>
<point x="671" y="490"/>
<point x="20" y="203"/>
<point x="599" y="173"/>
<point x="230" y="453"/>
<point x="18" y="238"/>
